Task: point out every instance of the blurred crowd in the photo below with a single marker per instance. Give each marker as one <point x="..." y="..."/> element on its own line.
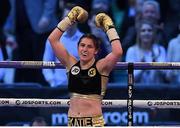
<point x="149" y="32"/>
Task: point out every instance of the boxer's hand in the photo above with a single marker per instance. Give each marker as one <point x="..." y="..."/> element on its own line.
<point x="76" y="14"/>
<point x="105" y="22"/>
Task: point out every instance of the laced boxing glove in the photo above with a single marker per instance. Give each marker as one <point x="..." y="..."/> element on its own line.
<point x="105" y="22"/>
<point x="76" y="14"/>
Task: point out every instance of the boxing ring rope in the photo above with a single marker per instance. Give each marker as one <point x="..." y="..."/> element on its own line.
<point x="121" y="66"/>
<point x="33" y="102"/>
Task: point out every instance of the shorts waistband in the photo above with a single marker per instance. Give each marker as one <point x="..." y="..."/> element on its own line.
<point x="92" y="96"/>
<point x="95" y="121"/>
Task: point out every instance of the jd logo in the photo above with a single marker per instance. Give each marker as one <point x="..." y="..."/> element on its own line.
<point x="92" y="72"/>
<point x="75" y="70"/>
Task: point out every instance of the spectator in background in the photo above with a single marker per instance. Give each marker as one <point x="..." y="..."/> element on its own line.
<point x="138" y="6"/>
<point x="32" y="21"/>
<point x="57" y="77"/>
<point x="11" y="46"/>
<point x="147" y="50"/>
<point x="172" y="19"/>
<point x="39" y="121"/>
<point x="101" y="5"/>
<point x="150" y="10"/>
<point x="129" y="34"/>
<point x="4" y="12"/>
<point x="173" y="55"/>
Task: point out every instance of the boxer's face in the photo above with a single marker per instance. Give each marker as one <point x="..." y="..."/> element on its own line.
<point x="87" y="49"/>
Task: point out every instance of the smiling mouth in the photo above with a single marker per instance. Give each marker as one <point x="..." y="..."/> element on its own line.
<point x="84" y="54"/>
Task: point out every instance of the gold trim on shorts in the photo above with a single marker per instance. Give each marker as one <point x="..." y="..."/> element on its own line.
<point x="96" y="121"/>
<point x="92" y="96"/>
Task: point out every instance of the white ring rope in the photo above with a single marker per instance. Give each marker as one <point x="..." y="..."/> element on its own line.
<point x="105" y="103"/>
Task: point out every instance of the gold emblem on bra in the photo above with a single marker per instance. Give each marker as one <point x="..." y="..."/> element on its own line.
<point x="92" y="72"/>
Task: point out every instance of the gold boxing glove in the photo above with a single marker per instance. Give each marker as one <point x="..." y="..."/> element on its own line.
<point x="76" y="14"/>
<point x="103" y="21"/>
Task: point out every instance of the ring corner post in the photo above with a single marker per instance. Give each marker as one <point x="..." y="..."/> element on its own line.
<point x="130" y="94"/>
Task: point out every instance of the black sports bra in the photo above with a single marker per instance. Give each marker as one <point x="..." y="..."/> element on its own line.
<point x="88" y="81"/>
